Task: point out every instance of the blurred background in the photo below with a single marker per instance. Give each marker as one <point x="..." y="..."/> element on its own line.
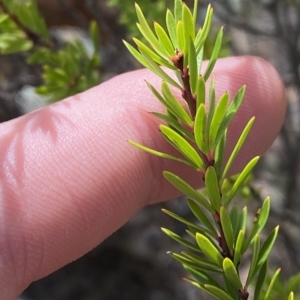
<point x="132" y="263"/>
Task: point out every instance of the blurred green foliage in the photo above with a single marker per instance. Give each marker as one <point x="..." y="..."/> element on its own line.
<point x="67" y="69"/>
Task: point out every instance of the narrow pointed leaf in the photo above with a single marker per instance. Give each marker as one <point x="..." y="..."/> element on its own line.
<point x="200" y="259"/>
<point x="178" y="10"/>
<point x="209" y="249"/>
<point x="195" y="11"/>
<point x="199" y="129"/>
<point x="171" y="25"/>
<point x="262" y="275"/>
<point x="229" y="287"/>
<point x="237" y="147"/>
<point x="200" y="215"/>
<point x="219" y="156"/>
<point x="186" y="189"/>
<point x="291" y="296"/>
<point x="264" y="214"/>
<point x="202" y="276"/>
<point x="203" y="32"/>
<point x="158" y="59"/>
<point x="227" y="228"/>
<point x="231" y="273"/>
<point x="218" y="293"/>
<point x="231" y="110"/>
<point x="186" y="222"/>
<point x="243" y="218"/>
<point x="171" y="104"/>
<point x="212" y="104"/>
<point x="234" y="217"/>
<point x="154" y="67"/>
<point x="212" y="186"/>
<point x="188" y="28"/>
<point x="215" y="55"/>
<point x="267" y="247"/>
<point x="193" y="67"/>
<point x="160" y="154"/>
<point x="238" y="247"/>
<point x="138" y="56"/>
<point x="175" y="125"/>
<point x="241" y="179"/>
<point x="217" y="118"/>
<point x="180" y="36"/>
<point x="177" y="108"/>
<point x="200" y="90"/>
<point x="164" y="39"/>
<point x="270" y="288"/>
<point x="253" y="231"/>
<point x="252" y="269"/>
<point x="180" y="240"/>
<point x="183" y="146"/>
<point x="148" y="33"/>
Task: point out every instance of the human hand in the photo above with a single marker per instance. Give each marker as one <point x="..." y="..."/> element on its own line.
<point x="69" y="178"/>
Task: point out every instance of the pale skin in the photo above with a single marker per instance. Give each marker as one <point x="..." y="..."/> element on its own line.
<point x="69" y="178"/>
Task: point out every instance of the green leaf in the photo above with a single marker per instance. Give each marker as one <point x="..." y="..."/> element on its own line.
<point x="253" y="231"/>
<point x="164" y="39"/>
<point x="174" y="124"/>
<point x="231" y="273"/>
<point x="171" y="25"/>
<point x="138" y="56"/>
<point x="238" y="146"/>
<point x="209" y="249"/>
<point x="291" y="296"/>
<point x="177" y="109"/>
<point x="234" y="218"/>
<point x="217" y="292"/>
<point x="202" y="277"/>
<point x="217" y="118"/>
<point x="219" y="156"/>
<point x="154" y="67"/>
<point x="241" y="179"/>
<point x="214" y="56"/>
<point x="212" y="105"/>
<point x="193" y="67"/>
<point x="199" y="129"/>
<point x="200" y="91"/>
<point x="238" y="247"/>
<point x="195" y="11"/>
<point x="184" y="221"/>
<point x="180" y="35"/>
<point x="180" y="240"/>
<point x="243" y="218"/>
<point x="293" y="283"/>
<point x="186" y="189"/>
<point x="188" y="28"/>
<point x="156" y="58"/>
<point x="252" y="269"/>
<point x="178" y="10"/>
<point x="212" y="186"/>
<point x="160" y="154"/>
<point x="148" y="34"/>
<point x="183" y="146"/>
<point x="227" y="228"/>
<point x="200" y="215"/>
<point x="171" y="104"/>
<point x="230" y="112"/>
<point x="262" y="275"/>
<point x="202" y="261"/>
<point x="269" y="290"/>
<point x="264" y="214"/>
<point x="203" y="32"/>
<point x="267" y="247"/>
